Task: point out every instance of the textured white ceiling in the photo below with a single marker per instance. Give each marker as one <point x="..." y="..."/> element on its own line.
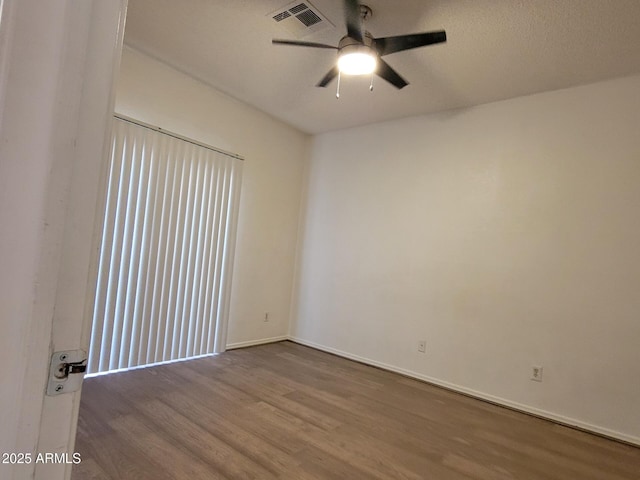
<point x="496" y="49"/>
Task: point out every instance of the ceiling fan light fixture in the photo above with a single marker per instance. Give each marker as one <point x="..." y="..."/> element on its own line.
<point x="357" y="61"/>
<point x="360" y="53"/>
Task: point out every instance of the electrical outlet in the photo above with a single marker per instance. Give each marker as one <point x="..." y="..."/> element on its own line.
<point x="422" y="346"/>
<point x="266" y="317"/>
<point x="536" y="373"/>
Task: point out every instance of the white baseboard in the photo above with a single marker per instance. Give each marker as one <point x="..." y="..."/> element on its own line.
<point x="261" y="341"/>
<point x="570" y="422"/>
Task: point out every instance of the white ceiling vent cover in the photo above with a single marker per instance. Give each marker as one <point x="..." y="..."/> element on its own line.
<point x="300" y="19"/>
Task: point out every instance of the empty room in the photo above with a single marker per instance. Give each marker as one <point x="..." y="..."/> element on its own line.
<point x="335" y="239"/>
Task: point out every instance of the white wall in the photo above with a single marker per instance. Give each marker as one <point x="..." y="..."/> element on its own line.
<point x="506" y="235"/>
<point x="274" y="154"/>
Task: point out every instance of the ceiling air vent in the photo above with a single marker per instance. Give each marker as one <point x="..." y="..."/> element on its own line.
<point x="300" y="19"/>
<point x="281" y="16"/>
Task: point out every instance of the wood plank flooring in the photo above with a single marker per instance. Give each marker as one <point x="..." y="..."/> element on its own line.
<point x="285" y="411"/>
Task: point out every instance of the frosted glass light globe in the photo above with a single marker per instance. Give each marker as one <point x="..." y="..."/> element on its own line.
<point x="357" y="63"/>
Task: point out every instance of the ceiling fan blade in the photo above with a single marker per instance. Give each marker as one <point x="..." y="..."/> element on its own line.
<point x="354" y="19"/>
<point x="388" y="45"/>
<point x="331" y="74"/>
<point x="390" y="75"/>
<point x="296" y="43"/>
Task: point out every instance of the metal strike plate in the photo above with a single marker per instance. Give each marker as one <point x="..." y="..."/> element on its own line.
<point x="66" y="371"/>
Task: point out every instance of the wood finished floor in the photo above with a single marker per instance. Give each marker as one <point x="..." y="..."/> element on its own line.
<point x="290" y="412"/>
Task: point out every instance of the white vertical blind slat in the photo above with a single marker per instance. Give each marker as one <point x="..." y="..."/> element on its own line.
<point x="227" y="256"/>
<point x="179" y="263"/>
<point x="215" y="339"/>
<point x="169" y="214"/>
<point x="100" y="306"/>
<point x="151" y="239"/>
<point x="182" y="319"/>
<point x="203" y="312"/>
<point x="166" y="256"/>
<point x="115" y="278"/>
<point x="145" y="218"/>
<point x="213" y="277"/>
<point x="136" y="212"/>
<point x="195" y="260"/>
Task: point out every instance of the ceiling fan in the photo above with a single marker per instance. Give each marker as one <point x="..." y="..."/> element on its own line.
<point x="360" y="53"/>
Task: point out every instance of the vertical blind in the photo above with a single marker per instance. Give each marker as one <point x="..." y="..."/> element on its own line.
<point x="167" y="249"/>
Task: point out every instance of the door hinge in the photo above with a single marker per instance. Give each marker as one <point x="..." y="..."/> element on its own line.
<point x="66" y="371"/>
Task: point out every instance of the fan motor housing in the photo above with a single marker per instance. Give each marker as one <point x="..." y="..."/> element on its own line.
<point x="348" y="42"/>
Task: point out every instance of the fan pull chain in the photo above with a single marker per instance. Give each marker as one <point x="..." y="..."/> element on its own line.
<point x="371" y="85"/>
<point x="338" y="91"/>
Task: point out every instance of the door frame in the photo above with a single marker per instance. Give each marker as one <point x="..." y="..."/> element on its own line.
<point x="57" y="93"/>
